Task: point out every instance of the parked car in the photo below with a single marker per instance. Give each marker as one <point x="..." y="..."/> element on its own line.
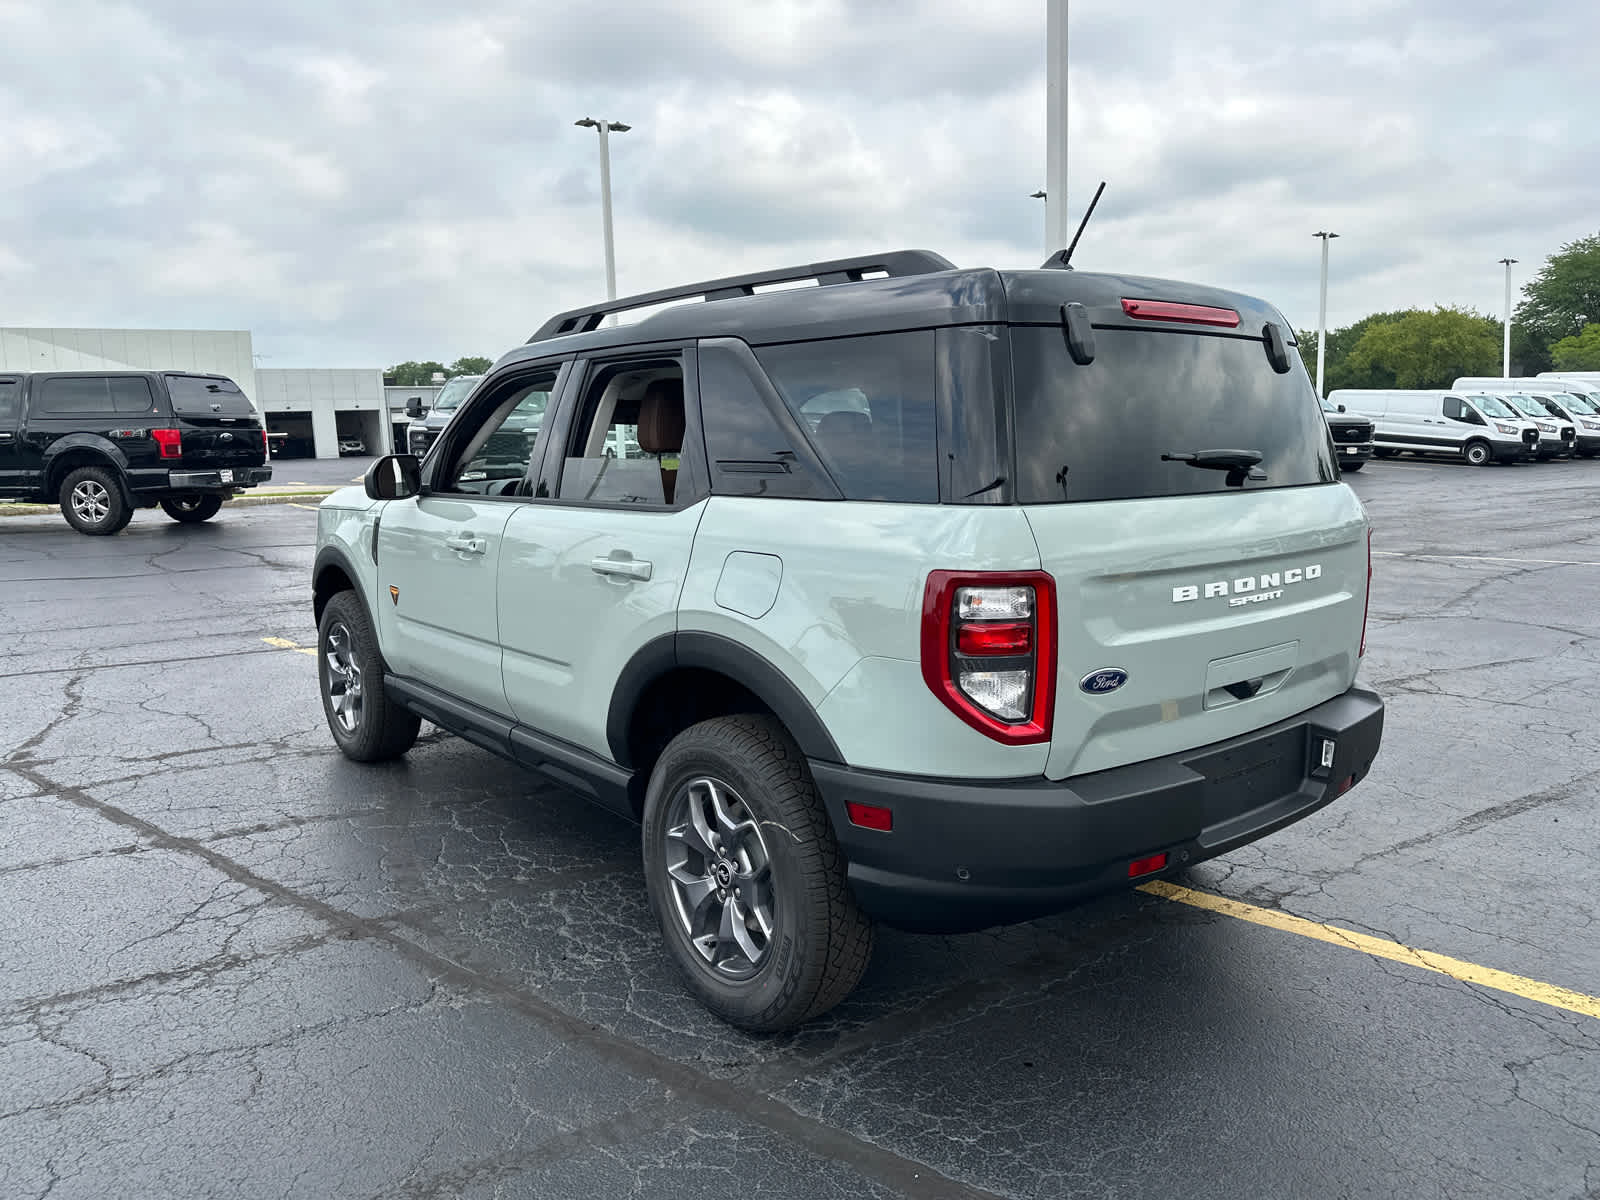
<point x="351" y="444"/>
<point x="1557" y="437"/>
<point x="1477" y="428"/>
<point x="897" y="665"/>
<point x="1351" y="434"/>
<point x="103" y="443"/>
<point x="1572" y="401"/>
<point x="427" y="424"/>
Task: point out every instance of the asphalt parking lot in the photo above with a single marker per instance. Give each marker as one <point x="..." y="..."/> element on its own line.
<point x="234" y="964"/>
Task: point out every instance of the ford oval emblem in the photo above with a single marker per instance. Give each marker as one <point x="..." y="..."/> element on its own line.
<point x="1106" y="679"/>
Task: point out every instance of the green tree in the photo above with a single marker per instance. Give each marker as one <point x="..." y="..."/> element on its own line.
<point x="1580" y="352"/>
<point x="468" y="365"/>
<point x="414" y="374"/>
<point x="1427" y="349"/>
<point x="1564" y="292"/>
<point x="1337" y="371"/>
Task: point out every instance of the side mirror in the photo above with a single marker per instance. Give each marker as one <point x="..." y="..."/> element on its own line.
<point x="1341" y="408"/>
<point x="393" y="477"/>
<point x="414" y="407"/>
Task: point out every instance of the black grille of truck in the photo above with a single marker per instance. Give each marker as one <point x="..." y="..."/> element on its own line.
<point x="1345" y="431"/>
<point x="1530" y="437"/>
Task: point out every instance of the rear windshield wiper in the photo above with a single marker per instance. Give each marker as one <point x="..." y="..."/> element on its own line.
<point x="1239" y="464"/>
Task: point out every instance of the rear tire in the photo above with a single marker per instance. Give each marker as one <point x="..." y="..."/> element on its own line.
<point x="746" y="878"/>
<point x="1477" y="453"/>
<point x="1387" y="453"/>
<point x="93" y="503"/>
<point x="366" y="725"/>
<point x="191" y="510"/>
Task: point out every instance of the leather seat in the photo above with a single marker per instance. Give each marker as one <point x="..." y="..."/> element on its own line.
<point x="661" y="425"/>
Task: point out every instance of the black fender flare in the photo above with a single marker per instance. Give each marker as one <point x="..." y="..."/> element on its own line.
<point x="100" y="447"/>
<point x="333" y="556"/>
<point x="738" y="662"/>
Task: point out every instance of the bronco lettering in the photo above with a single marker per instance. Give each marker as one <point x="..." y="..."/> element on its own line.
<point x="1243" y="590"/>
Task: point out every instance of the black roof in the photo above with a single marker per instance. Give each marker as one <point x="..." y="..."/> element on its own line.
<point x="926" y="296"/>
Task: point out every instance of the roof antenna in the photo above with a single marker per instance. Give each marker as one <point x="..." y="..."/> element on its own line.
<point x="1061" y="260"/>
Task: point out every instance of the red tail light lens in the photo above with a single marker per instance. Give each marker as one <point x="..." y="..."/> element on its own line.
<point x="1366" y="606"/>
<point x="1190" y="314"/>
<point x="870" y="816"/>
<point x="988" y="650"/>
<point x="266" y="446"/>
<point x="170" y="441"/>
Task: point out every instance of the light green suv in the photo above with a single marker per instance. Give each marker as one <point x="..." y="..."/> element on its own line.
<point x="928" y="596"/>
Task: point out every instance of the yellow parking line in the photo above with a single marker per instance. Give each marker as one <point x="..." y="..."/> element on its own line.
<point x="1455" y="968"/>
<point x="286" y="644"/>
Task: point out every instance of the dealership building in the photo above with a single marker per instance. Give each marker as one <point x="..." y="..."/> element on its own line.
<point x="308" y="411"/>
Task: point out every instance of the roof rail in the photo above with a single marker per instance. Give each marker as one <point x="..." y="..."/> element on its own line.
<point x="840" y="270"/>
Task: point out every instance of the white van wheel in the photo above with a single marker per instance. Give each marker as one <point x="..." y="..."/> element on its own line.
<point x="1477" y="453"/>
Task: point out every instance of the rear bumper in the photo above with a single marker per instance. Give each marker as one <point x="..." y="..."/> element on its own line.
<point x="968" y="854"/>
<point x="212" y="480"/>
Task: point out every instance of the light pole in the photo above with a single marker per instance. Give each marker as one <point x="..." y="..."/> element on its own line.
<point x="1045" y="196"/>
<point x="1055" y="124"/>
<point x="606" y="128"/>
<point x="1322" y="308"/>
<point x="1505" y="357"/>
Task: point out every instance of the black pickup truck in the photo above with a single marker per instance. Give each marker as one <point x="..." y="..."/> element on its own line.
<point x="102" y="443"/>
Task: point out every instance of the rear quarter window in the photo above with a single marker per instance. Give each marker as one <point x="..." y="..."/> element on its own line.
<point x="867" y="404"/>
<point x="72" y="397"/>
<point x="1098" y="432"/>
<point x="10" y="399"/>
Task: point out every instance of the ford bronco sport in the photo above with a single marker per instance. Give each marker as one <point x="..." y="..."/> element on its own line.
<point x="928" y="596"/>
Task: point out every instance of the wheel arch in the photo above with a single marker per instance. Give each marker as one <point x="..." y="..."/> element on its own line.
<point x="649" y="705"/>
<point x="80" y="450"/>
<point x="333" y="572"/>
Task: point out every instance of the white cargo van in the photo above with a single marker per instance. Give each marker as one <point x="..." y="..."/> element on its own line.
<point x="1573" y="401"/>
<point x="1474" y="427"/>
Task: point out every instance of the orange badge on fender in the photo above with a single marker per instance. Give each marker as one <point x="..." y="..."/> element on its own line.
<point x="394" y="593"/>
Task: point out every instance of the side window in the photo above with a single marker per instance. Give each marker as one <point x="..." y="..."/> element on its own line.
<point x="751" y="452"/>
<point x="494" y="460"/>
<point x="1453" y="409"/>
<point x="868" y="403"/>
<point x="626" y="445"/>
<point x="10" y="398"/>
<point x="131" y="395"/>
<point x="69" y="396"/>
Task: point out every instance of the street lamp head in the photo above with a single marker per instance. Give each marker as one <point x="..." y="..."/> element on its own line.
<point x="1508" y="261"/>
<point x="1037" y="195"/>
<point x="1324" y="235"/>
<point x="611" y="126"/>
<point x="619" y="127"/>
<point x="587" y="122"/>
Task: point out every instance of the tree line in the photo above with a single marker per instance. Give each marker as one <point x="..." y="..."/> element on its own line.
<point x="1556" y="327"/>
<point x="420" y="374"/>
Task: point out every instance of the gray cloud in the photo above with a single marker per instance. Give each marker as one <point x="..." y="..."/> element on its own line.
<point x="365" y="182"/>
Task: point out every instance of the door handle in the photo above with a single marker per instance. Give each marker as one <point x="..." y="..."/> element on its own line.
<point x="6" y="437"/>
<point x="464" y="543"/>
<point x="625" y="568"/>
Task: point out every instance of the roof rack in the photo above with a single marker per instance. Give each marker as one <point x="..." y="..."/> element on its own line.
<point x="841" y="270"/>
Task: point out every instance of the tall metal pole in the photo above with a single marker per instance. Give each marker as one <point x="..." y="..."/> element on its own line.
<point x="1057" y="228"/>
<point x="1505" y="356"/>
<point x="1322" y="309"/>
<point x="605" y="129"/>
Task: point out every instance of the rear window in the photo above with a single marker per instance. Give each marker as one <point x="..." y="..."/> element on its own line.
<point x="207" y="396"/>
<point x="10" y="390"/>
<point x="867" y="403"/>
<point x="453" y="393"/>
<point x="1098" y="432"/>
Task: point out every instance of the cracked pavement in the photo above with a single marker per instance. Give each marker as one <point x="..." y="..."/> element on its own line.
<point x="234" y="964"/>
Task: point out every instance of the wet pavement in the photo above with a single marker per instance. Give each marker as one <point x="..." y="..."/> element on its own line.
<point x="233" y="964"/>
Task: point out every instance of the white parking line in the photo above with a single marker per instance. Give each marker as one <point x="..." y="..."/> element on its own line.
<point x="1535" y="562"/>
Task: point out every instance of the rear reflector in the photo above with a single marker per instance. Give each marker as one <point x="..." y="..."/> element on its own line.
<point x="995" y="637"/>
<point x="1146" y="866"/>
<point x="1192" y="314"/>
<point x="870" y="816"/>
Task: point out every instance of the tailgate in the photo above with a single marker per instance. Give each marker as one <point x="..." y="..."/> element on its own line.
<point x="210" y="442"/>
<point x="1225" y="612"/>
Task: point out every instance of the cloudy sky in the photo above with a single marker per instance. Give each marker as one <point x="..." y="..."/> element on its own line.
<point x="363" y="181"/>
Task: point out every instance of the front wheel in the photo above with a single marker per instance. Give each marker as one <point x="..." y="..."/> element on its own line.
<point x="1477" y="453"/>
<point x="190" y="510"/>
<point x="746" y="878"/>
<point x="365" y="723"/>
<point x="93" y="503"/>
<point x="1351" y="466"/>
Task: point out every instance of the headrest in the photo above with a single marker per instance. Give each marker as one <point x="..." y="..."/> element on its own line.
<point x="661" y="417"/>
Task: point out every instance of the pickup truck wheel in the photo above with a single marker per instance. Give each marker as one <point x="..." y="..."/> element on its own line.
<point x="746" y="879"/>
<point x="191" y="510"/>
<point x="93" y="503"/>
<point x="1351" y="466"/>
<point x="365" y="723"/>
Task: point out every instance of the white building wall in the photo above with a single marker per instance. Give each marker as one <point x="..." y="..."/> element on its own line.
<point x="325" y="393"/>
<point x="209" y="351"/>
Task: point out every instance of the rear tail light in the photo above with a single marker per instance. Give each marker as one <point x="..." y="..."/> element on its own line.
<point x="1366" y="605"/>
<point x="170" y="441"/>
<point x="989" y="650"/>
<point x="266" y="446"/>
<point x="1191" y="314"/>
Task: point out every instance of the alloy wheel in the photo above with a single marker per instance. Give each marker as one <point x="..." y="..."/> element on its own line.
<point x="721" y="878"/>
<point x="343" y="681"/>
